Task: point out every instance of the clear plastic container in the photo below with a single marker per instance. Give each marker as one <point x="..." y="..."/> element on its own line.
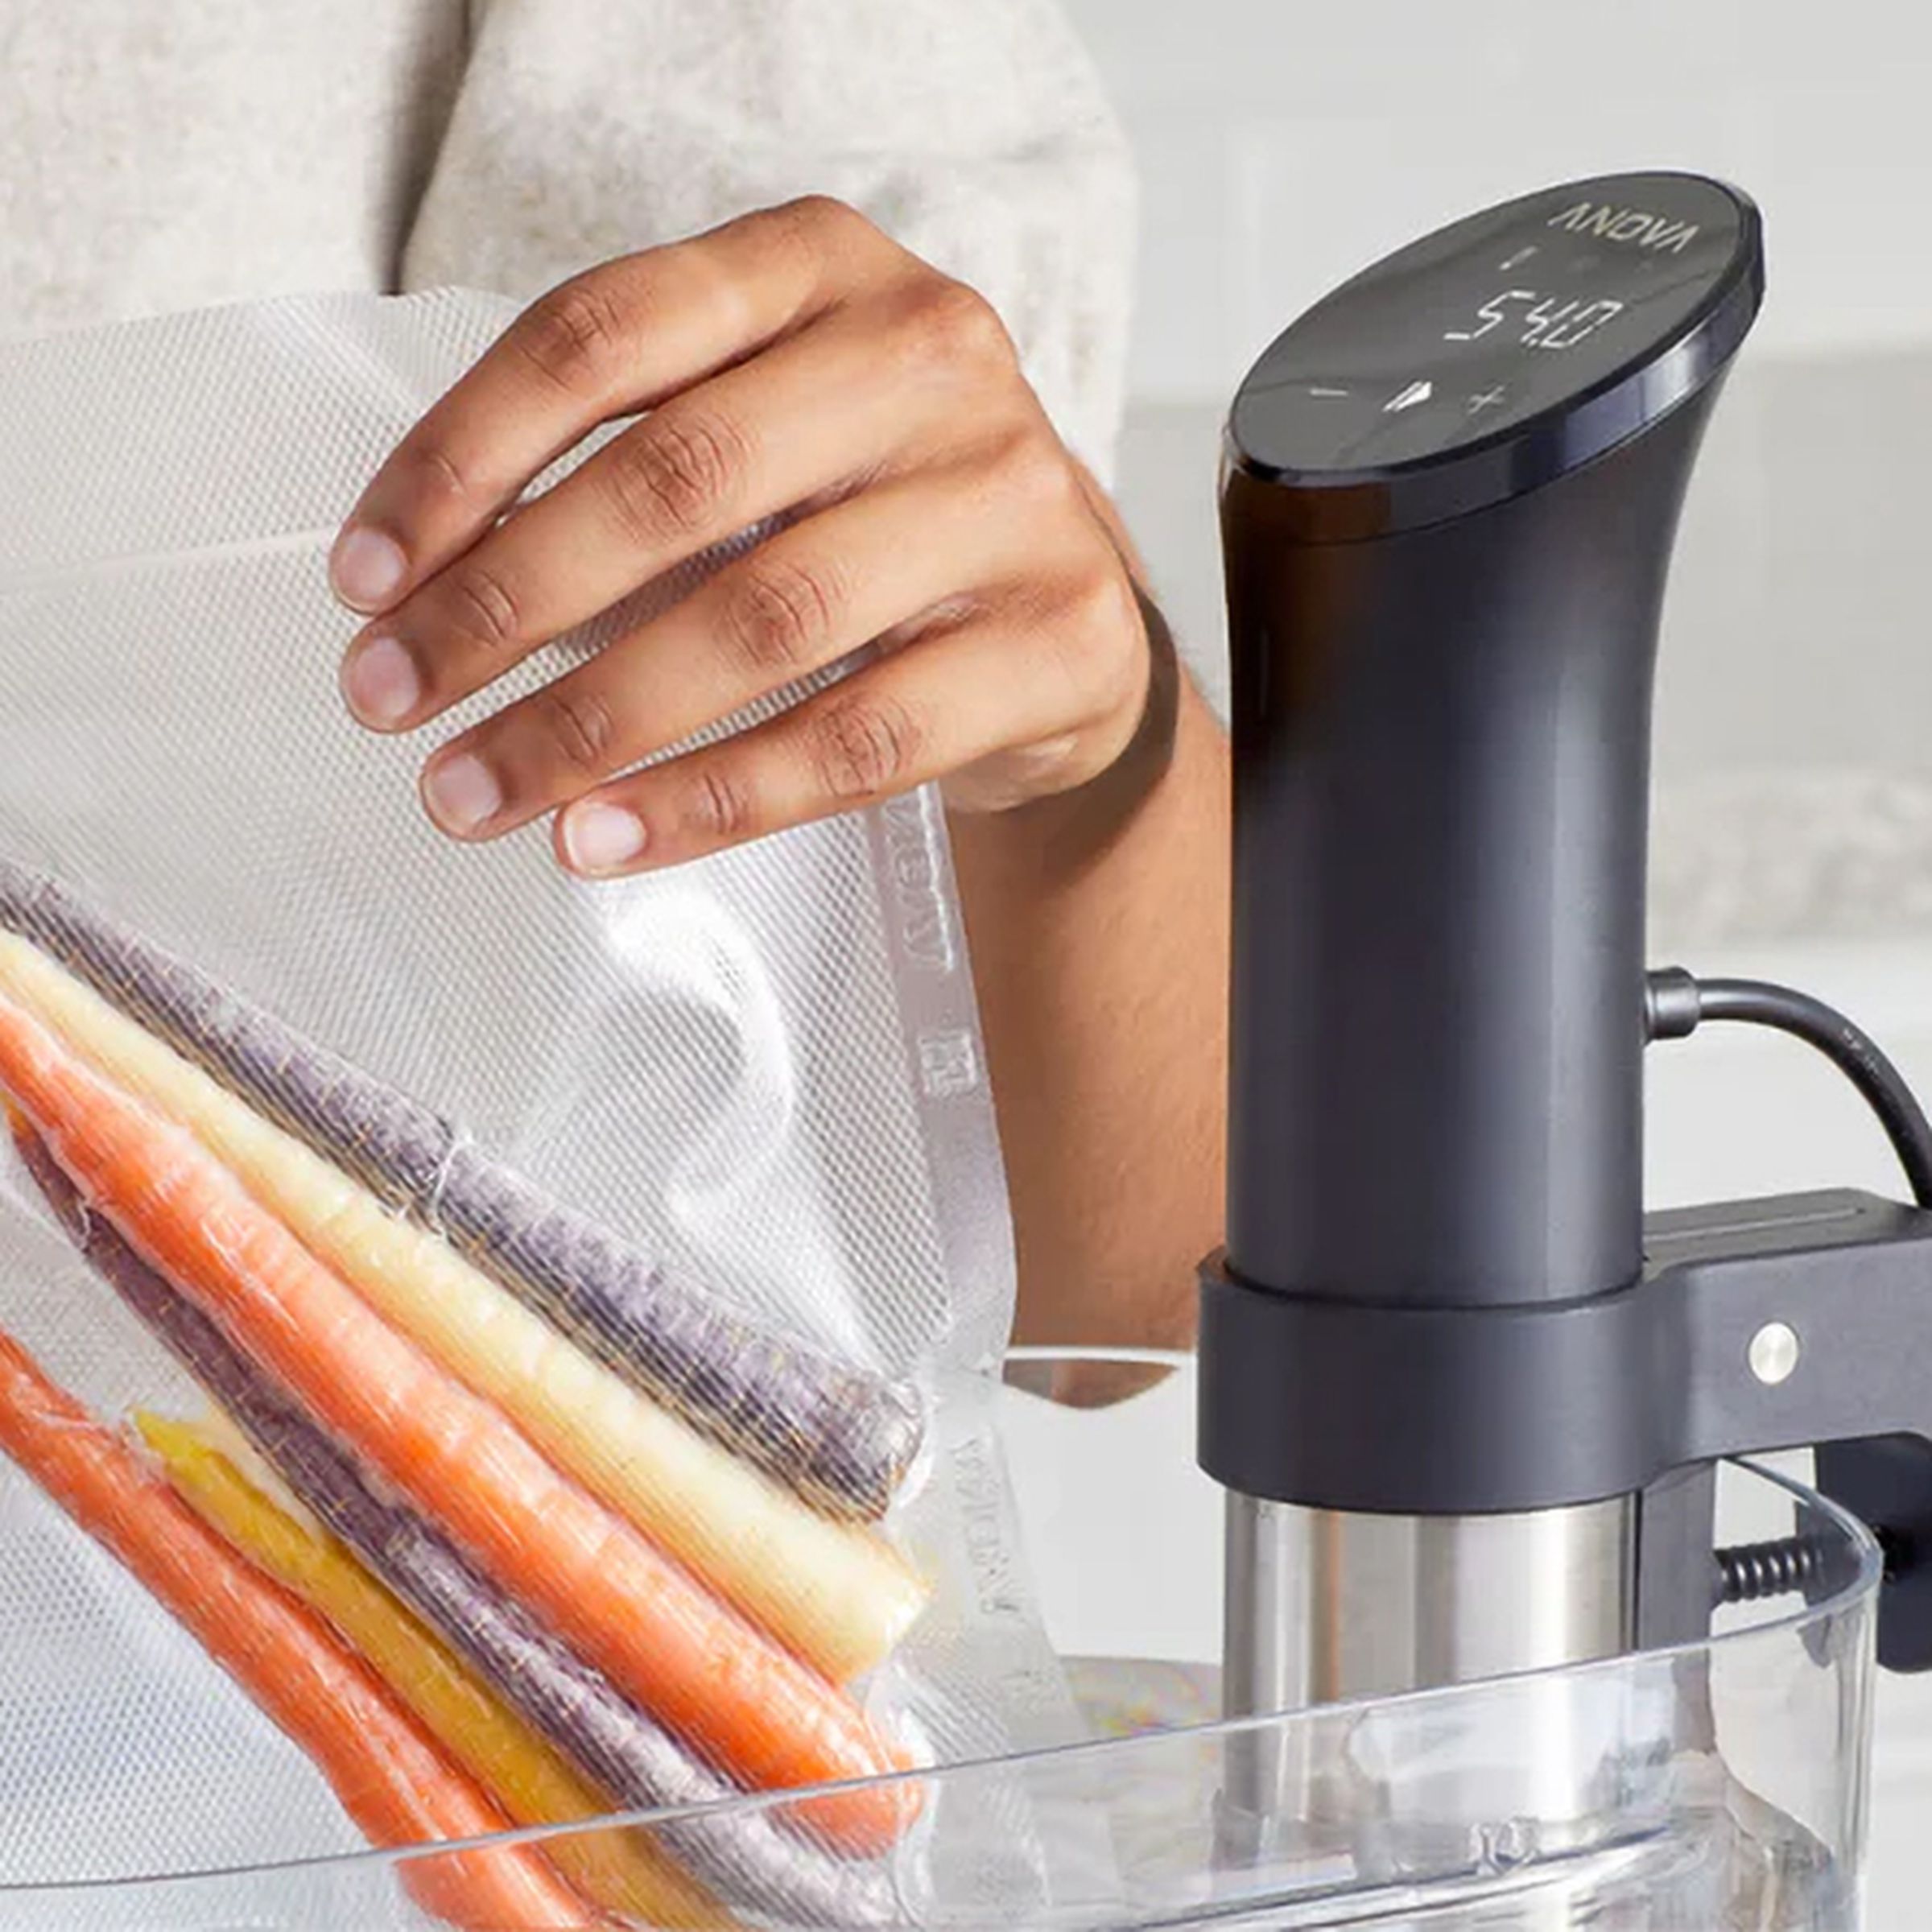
<point x="1712" y="1785"/>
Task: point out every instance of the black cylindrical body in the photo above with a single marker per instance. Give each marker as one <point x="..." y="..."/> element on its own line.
<point x="1441" y="750"/>
<point x="1450" y="497"/>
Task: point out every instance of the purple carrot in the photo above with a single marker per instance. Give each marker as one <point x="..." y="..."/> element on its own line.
<point x="746" y="1858"/>
<point x="843" y="1438"/>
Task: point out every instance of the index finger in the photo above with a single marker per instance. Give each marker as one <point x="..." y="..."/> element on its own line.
<point x="609" y="343"/>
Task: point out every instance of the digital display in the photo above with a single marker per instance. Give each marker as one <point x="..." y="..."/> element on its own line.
<point x="1544" y="321"/>
<point x="1477" y="328"/>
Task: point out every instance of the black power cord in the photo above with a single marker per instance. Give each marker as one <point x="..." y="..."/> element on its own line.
<point x="1676" y="1004"/>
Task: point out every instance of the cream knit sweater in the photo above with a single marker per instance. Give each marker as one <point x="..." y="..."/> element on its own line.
<point x="158" y="155"/>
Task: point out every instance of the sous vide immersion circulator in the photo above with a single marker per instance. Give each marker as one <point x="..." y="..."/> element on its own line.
<point x="1450" y="500"/>
<point x="1466" y="1402"/>
<point x="1450" y="495"/>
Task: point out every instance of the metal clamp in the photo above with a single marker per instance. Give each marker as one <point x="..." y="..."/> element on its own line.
<point x="1771" y="1324"/>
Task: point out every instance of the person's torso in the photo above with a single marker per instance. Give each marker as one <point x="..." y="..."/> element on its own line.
<point x="159" y="157"/>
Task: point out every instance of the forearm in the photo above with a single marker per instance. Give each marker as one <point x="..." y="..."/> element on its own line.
<point x="1099" y="926"/>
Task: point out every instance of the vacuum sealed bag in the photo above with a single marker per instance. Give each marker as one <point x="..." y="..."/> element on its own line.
<point x="478" y="1350"/>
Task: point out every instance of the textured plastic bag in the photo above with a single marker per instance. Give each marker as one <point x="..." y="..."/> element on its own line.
<point x="741" y="1105"/>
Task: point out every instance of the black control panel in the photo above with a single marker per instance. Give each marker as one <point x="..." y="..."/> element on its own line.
<point x="1473" y="333"/>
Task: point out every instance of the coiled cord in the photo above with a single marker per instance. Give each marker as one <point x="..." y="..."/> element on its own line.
<point x="1750" y="1571"/>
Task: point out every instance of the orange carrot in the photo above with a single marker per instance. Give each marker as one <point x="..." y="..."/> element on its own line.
<point x="731" y="1693"/>
<point x="393" y="1783"/>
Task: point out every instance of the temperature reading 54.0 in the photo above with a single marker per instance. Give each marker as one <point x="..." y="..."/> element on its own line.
<point x="1544" y="322"/>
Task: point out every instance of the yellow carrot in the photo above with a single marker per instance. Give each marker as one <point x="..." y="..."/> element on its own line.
<point x="622" y="1871"/>
<point x="219" y="1431"/>
<point x="838" y="1595"/>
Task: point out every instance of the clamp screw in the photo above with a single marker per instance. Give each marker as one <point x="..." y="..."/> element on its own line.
<point x="1773" y="1353"/>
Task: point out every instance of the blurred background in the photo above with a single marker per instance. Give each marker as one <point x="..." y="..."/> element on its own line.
<point x="1282" y="146"/>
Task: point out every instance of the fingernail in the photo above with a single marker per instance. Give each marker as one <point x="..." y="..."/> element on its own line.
<point x="599" y="838"/>
<point x="462" y="794"/>
<point x="382" y="682"/>
<point x="366" y="568"/>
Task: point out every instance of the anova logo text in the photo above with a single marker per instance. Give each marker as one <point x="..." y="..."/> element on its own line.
<point x="1632" y="225"/>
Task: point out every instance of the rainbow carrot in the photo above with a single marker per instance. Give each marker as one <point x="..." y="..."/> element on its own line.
<point x="837" y="1595"/>
<point x="616" y="1868"/>
<point x="749" y="1707"/>
<point x="396" y="1785"/>
<point x="842" y="1437"/>
<point x="747" y="1855"/>
<point x="212" y="1425"/>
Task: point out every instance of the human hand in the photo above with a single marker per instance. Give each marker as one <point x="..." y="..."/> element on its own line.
<point x="795" y="361"/>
